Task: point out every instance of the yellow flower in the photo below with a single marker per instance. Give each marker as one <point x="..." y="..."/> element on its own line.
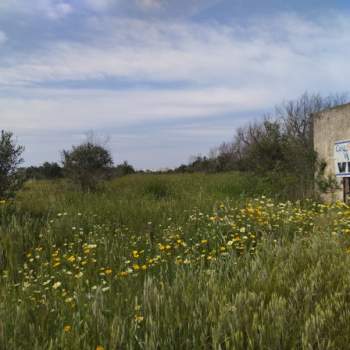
<point x="123" y="274"/>
<point x="136" y="267"/>
<point x="135" y="254"/>
<point x="67" y="328"/>
<point x="108" y="271"/>
<point x="139" y="318"/>
<point x="2" y="202"/>
<point x="100" y="347"/>
<point x="204" y="241"/>
<point x="71" y="258"/>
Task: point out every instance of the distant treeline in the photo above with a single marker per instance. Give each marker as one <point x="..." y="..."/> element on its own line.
<point x="279" y="147"/>
<point x="53" y="170"/>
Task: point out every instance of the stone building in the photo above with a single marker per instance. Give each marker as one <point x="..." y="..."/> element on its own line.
<point x="331" y="133"/>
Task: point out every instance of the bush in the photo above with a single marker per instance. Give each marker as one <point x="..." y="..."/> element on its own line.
<point x="46" y="171"/>
<point x="158" y="189"/>
<point x="87" y="165"/>
<point x="10" y="158"/>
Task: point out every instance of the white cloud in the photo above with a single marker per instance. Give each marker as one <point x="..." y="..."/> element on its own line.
<point x="3" y="38"/>
<point x="223" y="70"/>
<point x="93" y="109"/>
<point x="265" y="56"/>
<point x="54" y="9"/>
<point x="100" y="5"/>
<point x="169" y="8"/>
<point x="150" y="3"/>
<point x="226" y="70"/>
<point x="59" y="10"/>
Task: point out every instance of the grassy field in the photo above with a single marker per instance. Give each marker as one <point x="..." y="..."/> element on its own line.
<point x="173" y="262"/>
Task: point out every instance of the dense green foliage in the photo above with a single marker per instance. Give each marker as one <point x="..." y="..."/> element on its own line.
<point x="87" y="164"/>
<point x="10" y="159"/>
<point x="46" y="171"/>
<point x="279" y="146"/>
<point x="172" y="261"/>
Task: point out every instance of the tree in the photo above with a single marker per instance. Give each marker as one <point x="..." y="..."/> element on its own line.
<point x="47" y="171"/>
<point x="124" y="169"/>
<point x="87" y="164"/>
<point x="280" y="146"/>
<point x="10" y="159"/>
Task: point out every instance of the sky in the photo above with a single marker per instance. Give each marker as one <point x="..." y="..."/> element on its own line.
<point x="162" y="80"/>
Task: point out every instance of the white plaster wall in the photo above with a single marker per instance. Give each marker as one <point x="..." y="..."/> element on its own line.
<point x="330" y="126"/>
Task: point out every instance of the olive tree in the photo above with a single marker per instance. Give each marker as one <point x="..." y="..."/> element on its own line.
<point x="87" y="164"/>
<point x="10" y="159"/>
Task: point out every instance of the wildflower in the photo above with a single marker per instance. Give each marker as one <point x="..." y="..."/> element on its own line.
<point x="135" y="254"/>
<point x="136" y="267"/>
<point x="123" y="274"/>
<point x="79" y="275"/>
<point x="100" y="347"/>
<point x="56" y="285"/>
<point x="67" y="328"/>
<point x="204" y="241"/>
<point x="91" y="246"/>
<point x="108" y="271"/>
<point x="71" y="258"/>
<point x="139" y="318"/>
<point x="26" y="285"/>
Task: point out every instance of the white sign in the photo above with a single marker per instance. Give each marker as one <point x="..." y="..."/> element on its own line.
<point x="342" y="158"/>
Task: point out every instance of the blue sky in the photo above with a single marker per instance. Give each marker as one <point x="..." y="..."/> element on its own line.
<point x="163" y="79"/>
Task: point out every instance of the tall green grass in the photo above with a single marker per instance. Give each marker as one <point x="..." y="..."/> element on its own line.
<point x="172" y="262"/>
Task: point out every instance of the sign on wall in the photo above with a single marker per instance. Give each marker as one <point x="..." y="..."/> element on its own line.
<point x="342" y="158"/>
